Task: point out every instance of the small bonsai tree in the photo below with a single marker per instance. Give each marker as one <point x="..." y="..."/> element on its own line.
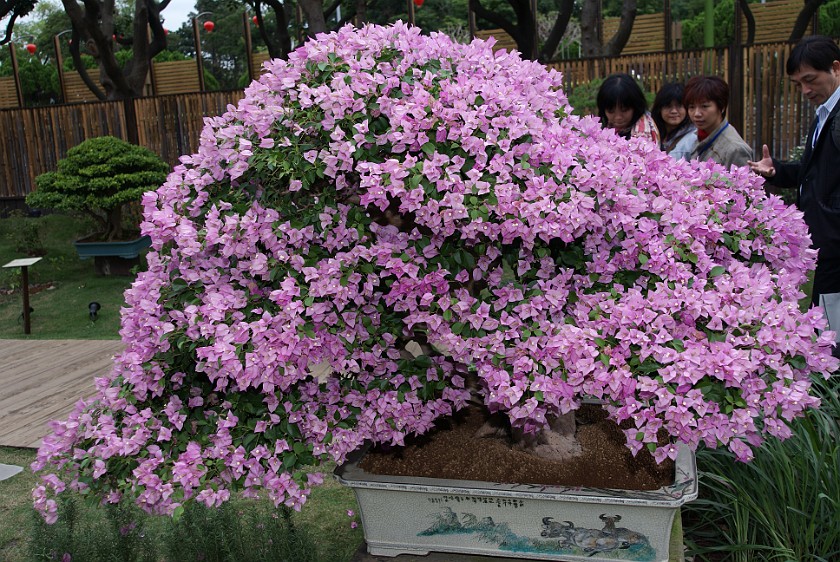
<point x="99" y="177"/>
<point x="415" y="213"/>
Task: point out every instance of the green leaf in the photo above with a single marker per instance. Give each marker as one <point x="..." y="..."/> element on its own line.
<point x="428" y="148"/>
<point x="797" y="362"/>
<point x="717" y="271"/>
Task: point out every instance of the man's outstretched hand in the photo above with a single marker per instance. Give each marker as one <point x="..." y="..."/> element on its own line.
<point x="763" y="167"/>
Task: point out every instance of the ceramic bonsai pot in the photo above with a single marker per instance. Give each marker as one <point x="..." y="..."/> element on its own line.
<point x="406" y="515"/>
<point x="113" y="258"/>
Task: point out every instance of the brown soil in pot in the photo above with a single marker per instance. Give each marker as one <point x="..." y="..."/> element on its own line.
<point x="452" y="451"/>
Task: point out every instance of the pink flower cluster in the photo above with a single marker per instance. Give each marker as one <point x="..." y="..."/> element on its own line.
<point x="388" y="215"/>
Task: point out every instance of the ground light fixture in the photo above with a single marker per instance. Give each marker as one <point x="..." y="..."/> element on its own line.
<point x="93" y="309"/>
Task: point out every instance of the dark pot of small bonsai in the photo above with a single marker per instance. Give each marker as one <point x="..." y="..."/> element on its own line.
<point x="99" y="178"/>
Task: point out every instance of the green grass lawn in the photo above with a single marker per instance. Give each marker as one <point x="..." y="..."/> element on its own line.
<point x="62" y="285"/>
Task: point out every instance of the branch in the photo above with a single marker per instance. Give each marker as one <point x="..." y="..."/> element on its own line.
<point x="745" y="9"/>
<point x="14" y="9"/>
<point x="331" y="10"/>
<point x="625" y="28"/>
<point x="285" y="41"/>
<point x="564" y="15"/>
<point x="495" y="18"/>
<point x="803" y="19"/>
<point x="80" y="66"/>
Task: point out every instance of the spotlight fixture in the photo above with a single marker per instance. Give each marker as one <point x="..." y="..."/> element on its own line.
<point x="93" y="308"/>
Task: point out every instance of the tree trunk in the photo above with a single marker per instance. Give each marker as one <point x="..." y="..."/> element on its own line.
<point x="95" y="25"/>
<point x="313" y="11"/>
<point x="555" y="442"/>
<point x="625" y="26"/>
<point x="114" y="224"/>
<point x="803" y="19"/>
<point x="590" y="42"/>
<point x="282" y="46"/>
<point x="564" y="15"/>
<point x="523" y="31"/>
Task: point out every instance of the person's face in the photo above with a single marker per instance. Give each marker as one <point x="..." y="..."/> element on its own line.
<point x="673" y="114"/>
<point x="619" y="118"/>
<point x="706" y="115"/>
<point x="817" y="85"/>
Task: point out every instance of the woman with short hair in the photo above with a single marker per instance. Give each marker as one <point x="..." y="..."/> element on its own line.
<point x="706" y="98"/>
<point x="622" y="106"/>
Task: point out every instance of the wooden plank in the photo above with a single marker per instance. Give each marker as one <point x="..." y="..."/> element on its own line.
<point x="43" y="379"/>
<point x="8" y="94"/>
<point x="77" y="91"/>
<point x="503" y="40"/>
<point x="257" y="60"/>
<point x="175" y="77"/>
<point x="774" y="20"/>
<point x="648" y="33"/>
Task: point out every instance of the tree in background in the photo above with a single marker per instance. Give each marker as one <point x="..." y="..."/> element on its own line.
<point x="830" y="18"/>
<point x="94" y="26"/>
<point x="13" y="9"/>
<point x="591" y="43"/>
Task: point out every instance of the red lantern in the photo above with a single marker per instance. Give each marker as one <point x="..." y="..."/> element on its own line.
<point x="209" y="26"/>
<point x="31" y="48"/>
<point x="255" y="20"/>
<point x="165" y="31"/>
<point x="418" y="3"/>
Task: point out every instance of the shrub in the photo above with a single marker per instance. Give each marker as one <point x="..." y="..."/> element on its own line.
<point x="99" y="177"/>
<point x="382" y="191"/>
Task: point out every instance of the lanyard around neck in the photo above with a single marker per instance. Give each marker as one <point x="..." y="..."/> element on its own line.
<point x="712" y="141"/>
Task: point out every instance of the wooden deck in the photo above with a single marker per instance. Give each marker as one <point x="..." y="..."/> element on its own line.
<point x="41" y="380"/>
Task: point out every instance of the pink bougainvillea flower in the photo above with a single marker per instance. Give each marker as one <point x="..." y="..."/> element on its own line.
<point x="389" y="222"/>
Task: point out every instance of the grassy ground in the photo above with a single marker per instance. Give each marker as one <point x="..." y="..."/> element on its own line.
<point x="243" y="530"/>
<point x="62" y="285"/>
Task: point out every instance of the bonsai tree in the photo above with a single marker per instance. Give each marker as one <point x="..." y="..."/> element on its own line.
<point x="431" y="222"/>
<point x="98" y="178"/>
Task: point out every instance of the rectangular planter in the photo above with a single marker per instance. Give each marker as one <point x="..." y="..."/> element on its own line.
<point x="407" y="515"/>
<point x="123" y="249"/>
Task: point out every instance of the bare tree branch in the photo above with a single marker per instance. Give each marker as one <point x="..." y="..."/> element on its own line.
<point x="804" y="19"/>
<point x="558" y="29"/>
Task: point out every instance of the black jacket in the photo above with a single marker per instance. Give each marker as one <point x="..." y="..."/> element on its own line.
<point x="818" y="172"/>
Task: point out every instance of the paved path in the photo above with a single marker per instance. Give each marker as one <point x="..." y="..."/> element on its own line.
<point x="40" y="380"/>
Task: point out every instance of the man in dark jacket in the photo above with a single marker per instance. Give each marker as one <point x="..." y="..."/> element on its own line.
<point x="814" y="66"/>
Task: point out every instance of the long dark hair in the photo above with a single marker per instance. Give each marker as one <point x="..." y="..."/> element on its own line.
<point x="620" y="90"/>
<point x="669" y="94"/>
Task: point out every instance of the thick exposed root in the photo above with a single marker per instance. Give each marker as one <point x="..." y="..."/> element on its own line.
<point x="556" y="442"/>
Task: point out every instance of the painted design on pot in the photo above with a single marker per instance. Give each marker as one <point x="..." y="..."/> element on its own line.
<point x="559" y="537"/>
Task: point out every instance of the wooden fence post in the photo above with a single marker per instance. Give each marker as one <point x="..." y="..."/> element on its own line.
<point x="735" y="114"/>
<point x="198" y="61"/>
<point x="249" y="56"/>
<point x="18" y="87"/>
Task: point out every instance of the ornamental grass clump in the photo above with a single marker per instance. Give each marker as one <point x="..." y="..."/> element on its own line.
<point x="414" y="214"/>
